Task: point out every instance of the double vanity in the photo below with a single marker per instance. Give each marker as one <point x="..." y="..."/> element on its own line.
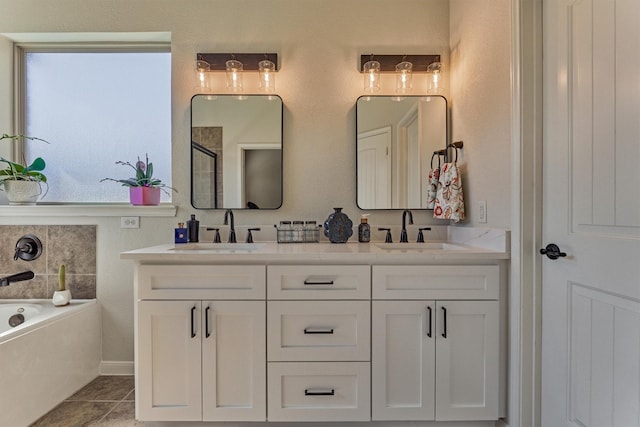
<point x="320" y="332"/>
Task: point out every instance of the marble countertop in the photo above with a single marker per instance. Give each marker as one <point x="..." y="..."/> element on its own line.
<point x="339" y="253"/>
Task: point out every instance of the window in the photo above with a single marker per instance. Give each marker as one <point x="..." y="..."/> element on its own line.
<point x="95" y="108"/>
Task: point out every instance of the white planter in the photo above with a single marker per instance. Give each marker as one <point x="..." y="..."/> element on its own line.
<point x="61" y="298"/>
<point x="22" y="192"/>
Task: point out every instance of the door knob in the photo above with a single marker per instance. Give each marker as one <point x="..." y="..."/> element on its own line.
<point x="552" y="251"/>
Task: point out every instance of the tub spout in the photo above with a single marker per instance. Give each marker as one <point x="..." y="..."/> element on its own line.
<point x="18" y="277"/>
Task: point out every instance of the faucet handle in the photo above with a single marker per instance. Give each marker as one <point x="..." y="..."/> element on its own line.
<point x="249" y="235"/>
<point x="387" y="238"/>
<point x="420" y="235"/>
<point x="216" y="236"/>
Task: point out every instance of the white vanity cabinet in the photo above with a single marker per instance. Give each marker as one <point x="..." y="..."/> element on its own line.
<point x="435" y="354"/>
<point x="315" y="332"/>
<point x="201" y="360"/>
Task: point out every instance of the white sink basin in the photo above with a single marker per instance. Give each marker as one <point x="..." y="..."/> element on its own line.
<point x="419" y="247"/>
<point x="218" y="247"/>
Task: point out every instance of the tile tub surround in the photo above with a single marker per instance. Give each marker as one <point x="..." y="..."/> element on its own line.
<point x="72" y="245"/>
<point x="106" y="401"/>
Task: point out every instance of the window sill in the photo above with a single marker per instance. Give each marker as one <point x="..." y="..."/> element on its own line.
<point x="88" y="210"/>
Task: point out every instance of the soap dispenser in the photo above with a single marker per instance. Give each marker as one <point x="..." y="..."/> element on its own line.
<point x="364" y="229"/>
<point x="193" y="228"/>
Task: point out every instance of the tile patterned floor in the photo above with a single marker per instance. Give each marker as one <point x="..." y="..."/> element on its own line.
<point x="106" y="401"/>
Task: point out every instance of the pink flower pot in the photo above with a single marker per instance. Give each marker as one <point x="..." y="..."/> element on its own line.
<point x="144" y="196"/>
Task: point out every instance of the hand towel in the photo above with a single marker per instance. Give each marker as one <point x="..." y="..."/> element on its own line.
<point x="432" y="184"/>
<point x="449" y="198"/>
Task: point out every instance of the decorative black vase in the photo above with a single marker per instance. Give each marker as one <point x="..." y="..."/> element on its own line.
<point x="338" y="227"/>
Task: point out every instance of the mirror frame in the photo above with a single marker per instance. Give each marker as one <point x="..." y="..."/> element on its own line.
<point x="191" y="152"/>
<point x="444" y="147"/>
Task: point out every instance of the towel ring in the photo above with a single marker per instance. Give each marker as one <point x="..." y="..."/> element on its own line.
<point x="432" y="156"/>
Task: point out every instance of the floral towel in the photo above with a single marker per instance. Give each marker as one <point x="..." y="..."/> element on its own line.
<point x="432" y="187"/>
<point x="449" y="199"/>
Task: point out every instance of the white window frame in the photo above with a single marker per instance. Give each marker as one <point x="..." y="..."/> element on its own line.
<point x="74" y="209"/>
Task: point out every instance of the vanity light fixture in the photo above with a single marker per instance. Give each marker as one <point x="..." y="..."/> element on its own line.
<point x="403" y="66"/>
<point x="371" y="70"/>
<point x="234" y="75"/>
<point x="403" y="76"/>
<point x="235" y="65"/>
<point x="435" y="77"/>
<point x="202" y="72"/>
<point x="266" y="70"/>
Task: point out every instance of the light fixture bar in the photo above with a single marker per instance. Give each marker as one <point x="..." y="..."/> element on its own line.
<point x="250" y="61"/>
<point x="389" y="62"/>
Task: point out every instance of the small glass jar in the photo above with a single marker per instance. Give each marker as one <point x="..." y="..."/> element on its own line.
<point x="310" y="231"/>
<point x="285" y="232"/>
<point x="298" y="231"/>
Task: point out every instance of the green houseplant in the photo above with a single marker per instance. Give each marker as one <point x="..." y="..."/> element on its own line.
<point x="22" y="181"/>
<point x="144" y="189"/>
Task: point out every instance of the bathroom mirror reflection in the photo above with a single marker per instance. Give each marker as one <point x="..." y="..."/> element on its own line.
<point x="236" y="151"/>
<point x="396" y="137"/>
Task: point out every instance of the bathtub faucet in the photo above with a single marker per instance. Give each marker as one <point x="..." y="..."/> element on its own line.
<point x="18" y="277"/>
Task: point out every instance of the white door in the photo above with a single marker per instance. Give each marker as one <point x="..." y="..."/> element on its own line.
<point x="467" y="360"/>
<point x="374" y="169"/>
<point x="403" y="360"/>
<point x="234" y="361"/>
<point x="168" y="375"/>
<point x="590" y="301"/>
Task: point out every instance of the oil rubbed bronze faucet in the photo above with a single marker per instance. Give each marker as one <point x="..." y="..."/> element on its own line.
<point x="403" y="233"/>
<point x="18" y="277"/>
<point x="228" y="220"/>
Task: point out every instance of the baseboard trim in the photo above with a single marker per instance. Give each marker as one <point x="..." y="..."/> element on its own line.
<point x="116" y="368"/>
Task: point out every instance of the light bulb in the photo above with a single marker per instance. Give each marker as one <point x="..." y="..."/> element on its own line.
<point x="266" y="70"/>
<point x="371" y="70"/>
<point x="202" y="74"/>
<point x="234" y="75"/>
<point x="435" y="77"/>
<point x="403" y="77"/>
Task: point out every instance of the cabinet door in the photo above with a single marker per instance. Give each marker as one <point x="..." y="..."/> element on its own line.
<point x="467" y="360"/>
<point x="234" y="361"/>
<point x="168" y="375"/>
<point x="402" y="360"/>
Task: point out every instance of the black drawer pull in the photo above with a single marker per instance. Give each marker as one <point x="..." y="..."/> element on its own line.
<point x="444" y="311"/>
<point x="430" y="322"/>
<point x="318" y="282"/>
<point x="330" y="392"/>
<point x="318" y="331"/>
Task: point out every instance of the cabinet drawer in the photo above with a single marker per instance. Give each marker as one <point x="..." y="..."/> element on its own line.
<point x="319" y="391"/>
<point x="319" y="282"/>
<point x="201" y="282"/>
<point x="318" y="330"/>
<point x="436" y="282"/>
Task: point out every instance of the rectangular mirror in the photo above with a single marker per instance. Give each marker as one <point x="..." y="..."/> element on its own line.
<point x="396" y="138"/>
<point x="236" y="151"/>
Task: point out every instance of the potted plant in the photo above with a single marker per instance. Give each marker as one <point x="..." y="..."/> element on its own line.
<point x="143" y="188"/>
<point x="20" y="181"/>
<point x="62" y="296"/>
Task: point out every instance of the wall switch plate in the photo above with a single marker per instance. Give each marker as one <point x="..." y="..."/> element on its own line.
<point x="482" y="211"/>
<point x="129" y="222"/>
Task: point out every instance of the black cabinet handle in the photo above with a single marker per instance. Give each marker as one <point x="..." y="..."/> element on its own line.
<point x="330" y="392"/>
<point x="207" y="332"/>
<point x="552" y="251"/>
<point x="193" y="321"/>
<point x="444" y="333"/>
<point x="430" y="321"/>
<point x="318" y="331"/>
<point x="318" y="282"/>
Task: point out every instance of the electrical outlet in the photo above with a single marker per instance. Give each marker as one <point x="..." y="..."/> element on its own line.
<point x="482" y="211"/>
<point x="129" y="222"/>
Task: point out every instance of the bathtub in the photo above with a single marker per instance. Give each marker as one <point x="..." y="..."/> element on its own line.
<point x="48" y="357"/>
